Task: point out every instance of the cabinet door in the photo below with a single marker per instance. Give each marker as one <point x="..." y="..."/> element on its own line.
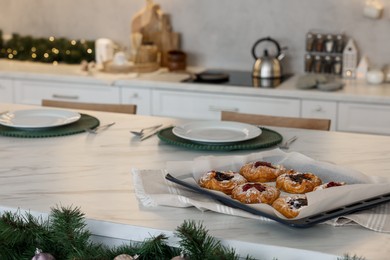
<point x="194" y="105"/>
<point x="364" y="118"/>
<point x="6" y="91"/>
<point x="33" y="91"/>
<point x="137" y="96"/>
<point x="320" y="109"/>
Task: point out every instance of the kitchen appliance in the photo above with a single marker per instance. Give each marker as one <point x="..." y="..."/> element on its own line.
<point x="267" y="66"/>
<point x="235" y="78"/>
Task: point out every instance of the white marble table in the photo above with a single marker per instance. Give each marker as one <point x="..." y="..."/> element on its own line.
<point x="94" y="173"/>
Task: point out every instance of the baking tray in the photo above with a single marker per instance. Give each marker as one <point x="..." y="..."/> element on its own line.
<point x="296" y="223"/>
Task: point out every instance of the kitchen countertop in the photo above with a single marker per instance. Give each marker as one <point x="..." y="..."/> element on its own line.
<point x="353" y="91"/>
<point x="93" y="172"/>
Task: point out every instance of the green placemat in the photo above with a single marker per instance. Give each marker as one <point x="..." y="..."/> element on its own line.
<point x="85" y="122"/>
<point x="268" y="138"/>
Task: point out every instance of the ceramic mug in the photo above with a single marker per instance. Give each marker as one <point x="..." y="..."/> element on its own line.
<point x="176" y="60"/>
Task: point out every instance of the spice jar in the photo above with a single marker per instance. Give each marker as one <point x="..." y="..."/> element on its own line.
<point x="309" y="41"/>
<point x="319" y="43"/>
<point x="308" y="62"/>
<point x="317" y="64"/>
<point x="329" y="43"/>
<point x="337" y="65"/>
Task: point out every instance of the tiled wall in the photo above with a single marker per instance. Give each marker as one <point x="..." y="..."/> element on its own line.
<point x="215" y="33"/>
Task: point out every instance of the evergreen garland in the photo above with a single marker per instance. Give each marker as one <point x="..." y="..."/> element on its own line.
<point x="47" y="50"/>
<point x="63" y="235"/>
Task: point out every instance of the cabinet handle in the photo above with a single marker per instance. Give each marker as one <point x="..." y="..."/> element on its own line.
<point x="134" y="95"/>
<point x="318" y="109"/>
<point x="219" y="109"/>
<point x="65" y="97"/>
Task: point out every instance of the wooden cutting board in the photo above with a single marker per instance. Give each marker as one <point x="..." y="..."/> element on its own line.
<point x="155" y="27"/>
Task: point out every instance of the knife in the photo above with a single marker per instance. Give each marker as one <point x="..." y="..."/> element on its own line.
<point x="153" y="132"/>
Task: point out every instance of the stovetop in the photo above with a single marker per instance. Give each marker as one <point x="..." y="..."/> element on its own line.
<point x="235" y="78"/>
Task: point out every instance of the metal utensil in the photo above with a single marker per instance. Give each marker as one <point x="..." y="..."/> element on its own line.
<point x="287" y="144"/>
<point x="154" y="131"/>
<point x="99" y="128"/>
<point x="141" y="132"/>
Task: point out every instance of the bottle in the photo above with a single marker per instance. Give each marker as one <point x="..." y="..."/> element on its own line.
<point x="337" y="65"/>
<point x="329" y="43"/>
<point x="319" y="43"/>
<point x="308" y="62"/>
<point x="309" y="41"/>
<point x="317" y="64"/>
<point x="327" y="64"/>
<point x="339" y="43"/>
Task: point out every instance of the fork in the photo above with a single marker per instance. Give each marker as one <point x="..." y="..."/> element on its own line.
<point x="287" y="144"/>
<point x="99" y="128"/>
<point x="141" y="132"/>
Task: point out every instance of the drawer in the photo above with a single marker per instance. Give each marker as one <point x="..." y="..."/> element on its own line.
<point x="364" y="118"/>
<point x="320" y="109"/>
<point x="32" y="92"/>
<point x="6" y="91"/>
<point x="195" y="105"/>
<point x="137" y="96"/>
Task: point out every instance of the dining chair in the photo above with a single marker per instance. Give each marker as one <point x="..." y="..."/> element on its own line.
<point x="116" y="108"/>
<point x="281" y="121"/>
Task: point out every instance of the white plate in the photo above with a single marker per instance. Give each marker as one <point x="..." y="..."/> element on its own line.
<point x="38" y="118"/>
<point x="217" y="131"/>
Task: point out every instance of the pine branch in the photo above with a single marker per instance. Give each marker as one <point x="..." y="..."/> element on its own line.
<point x="157" y="248"/>
<point x="68" y="233"/>
<point x="198" y="244"/>
<point x="22" y="233"/>
<point x="348" y="257"/>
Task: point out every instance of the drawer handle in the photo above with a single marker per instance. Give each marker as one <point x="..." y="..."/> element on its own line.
<point x="318" y="109"/>
<point x="65" y="97"/>
<point x="219" y="109"/>
<point x="134" y="95"/>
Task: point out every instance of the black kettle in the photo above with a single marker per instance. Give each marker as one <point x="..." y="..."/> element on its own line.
<point x="267" y="66"/>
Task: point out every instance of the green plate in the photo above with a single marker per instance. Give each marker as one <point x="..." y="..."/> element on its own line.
<point x="85" y="122"/>
<point x="268" y="138"/>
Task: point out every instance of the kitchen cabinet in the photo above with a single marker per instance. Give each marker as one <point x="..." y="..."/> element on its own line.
<point x="364" y="118"/>
<point x="33" y="91"/>
<point x="197" y="105"/>
<point x="137" y="96"/>
<point x="6" y="91"/>
<point x="320" y="109"/>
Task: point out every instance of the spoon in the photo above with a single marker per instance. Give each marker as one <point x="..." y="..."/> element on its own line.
<point x="141" y="132"/>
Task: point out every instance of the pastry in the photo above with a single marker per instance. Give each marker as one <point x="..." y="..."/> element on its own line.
<point x="261" y="171"/>
<point x="297" y="182"/>
<point x="329" y="185"/>
<point x="290" y="206"/>
<point x="224" y="181"/>
<point x="255" y="192"/>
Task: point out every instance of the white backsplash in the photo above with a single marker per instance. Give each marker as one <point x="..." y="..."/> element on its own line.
<point x="215" y="33"/>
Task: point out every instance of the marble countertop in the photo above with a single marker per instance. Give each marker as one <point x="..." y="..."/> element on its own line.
<point x="353" y="91"/>
<point x="93" y="172"/>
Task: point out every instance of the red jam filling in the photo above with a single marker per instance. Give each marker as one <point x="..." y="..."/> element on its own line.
<point x="333" y="184"/>
<point x="298" y="177"/>
<point x="220" y="176"/>
<point x="267" y="164"/>
<point x="297" y="203"/>
<point x="258" y="187"/>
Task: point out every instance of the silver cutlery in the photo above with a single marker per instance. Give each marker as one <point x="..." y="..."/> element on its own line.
<point x="141" y="132"/>
<point x="99" y="128"/>
<point x="153" y="132"/>
<point x="286" y="145"/>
